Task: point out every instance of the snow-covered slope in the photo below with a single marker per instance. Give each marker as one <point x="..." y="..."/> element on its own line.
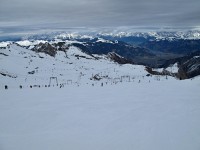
<point x="4" y="44"/>
<point x="158" y="35"/>
<point x="31" y="68"/>
<point x="101" y="105"/>
<point x="157" y="115"/>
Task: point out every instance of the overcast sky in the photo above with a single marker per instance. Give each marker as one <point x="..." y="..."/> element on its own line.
<point x="19" y="14"/>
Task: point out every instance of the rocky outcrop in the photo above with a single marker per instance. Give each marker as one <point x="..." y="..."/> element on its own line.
<point x="5" y="73"/>
<point x="123" y="49"/>
<point x="119" y="59"/>
<point x="61" y="46"/>
<point x="163" y="72"/>
<point x="45" y="48"/>
<point x="189" y="68"/>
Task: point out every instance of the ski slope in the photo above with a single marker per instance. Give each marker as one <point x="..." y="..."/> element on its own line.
<point x="115" y="113"/>
<point x="30" y="68"/>
<point x="157" y="115"/>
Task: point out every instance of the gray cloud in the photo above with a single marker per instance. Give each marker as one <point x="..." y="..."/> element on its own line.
<point x="99" y="13"/>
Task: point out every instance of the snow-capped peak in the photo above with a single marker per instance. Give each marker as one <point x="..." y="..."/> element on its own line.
<point x="4" y="44"/>
<point x="30" y="43"/>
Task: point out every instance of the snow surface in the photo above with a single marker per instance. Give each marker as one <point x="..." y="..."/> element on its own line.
<point x="126" y="110"/>
<point x="65" y="66"/>
<point x="196" y="56"/>
<point x="4" y="44"/>
<point x="173" y="69"/>
<point x="104" y="41"/>
<point x="73" y="36"/>
<point x="154" y="116"/>
<point x="30" y="43"/>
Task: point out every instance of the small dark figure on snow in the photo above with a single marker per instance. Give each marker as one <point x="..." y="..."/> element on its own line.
<point x="61" y="85"/>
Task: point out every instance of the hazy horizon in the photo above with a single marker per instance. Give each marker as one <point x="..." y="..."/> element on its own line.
<point x="22" y="17"/>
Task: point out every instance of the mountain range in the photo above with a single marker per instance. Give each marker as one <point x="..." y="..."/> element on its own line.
<point x="151" y="49"/>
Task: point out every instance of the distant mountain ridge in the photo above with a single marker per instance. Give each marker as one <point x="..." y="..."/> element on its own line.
<point x="119" y="52"/>
<point x="153" y="53"/>
<point x="152" y="49"/>
<point x="112" y="35"/>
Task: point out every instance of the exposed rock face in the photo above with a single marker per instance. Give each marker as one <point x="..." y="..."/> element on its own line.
<point x="45" y="48"/>
<point x="61" y="46"/>
<point x="5" y="73"/>
<point x="123" y="49"/>
<point x="164" y="72"/>
<point x="189" y="68"/>
<point x="119" y="59"/>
